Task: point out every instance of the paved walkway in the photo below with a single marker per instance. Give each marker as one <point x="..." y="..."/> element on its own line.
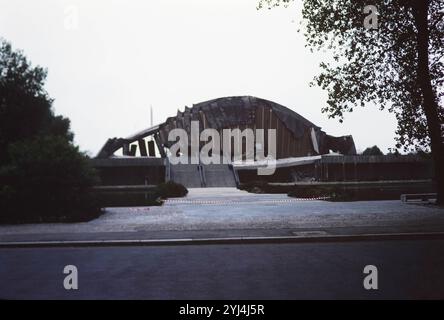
<point x="228" y="212"/>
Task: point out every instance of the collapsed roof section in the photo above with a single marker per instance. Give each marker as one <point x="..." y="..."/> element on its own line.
<point x="296" y="136"/>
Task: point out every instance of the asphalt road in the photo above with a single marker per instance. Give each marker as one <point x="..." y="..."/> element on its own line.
<point x="406" y="269"/>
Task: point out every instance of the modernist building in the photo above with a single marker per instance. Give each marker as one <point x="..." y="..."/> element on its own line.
<point x="303" y="151"/>
<point x="296" y="136"/>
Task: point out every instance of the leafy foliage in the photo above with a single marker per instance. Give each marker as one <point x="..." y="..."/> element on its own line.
<point x="43" y="176"/>
<point x="46" y="179"/>
<point x="25" y="107"/>
<point x="373" y="151"/>
<point x="171" y="189"/>
<point x="376" y="66"/>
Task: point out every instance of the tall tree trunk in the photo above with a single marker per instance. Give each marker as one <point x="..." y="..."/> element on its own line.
<point x="430" y="103"/>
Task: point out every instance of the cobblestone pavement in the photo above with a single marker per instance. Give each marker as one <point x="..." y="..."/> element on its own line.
<point x="229" y="209"/>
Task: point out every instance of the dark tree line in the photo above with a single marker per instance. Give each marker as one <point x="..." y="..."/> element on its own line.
<point x="43" y="175"/>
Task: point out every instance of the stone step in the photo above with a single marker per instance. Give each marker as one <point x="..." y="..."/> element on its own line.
<point x="197" y="176"/>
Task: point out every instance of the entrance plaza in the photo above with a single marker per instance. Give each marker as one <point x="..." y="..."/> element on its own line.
<point x="229" y="212"/>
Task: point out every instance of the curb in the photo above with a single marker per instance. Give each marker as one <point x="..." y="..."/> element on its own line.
<point x="234" y="240"/>
<point x="231" y="202"/>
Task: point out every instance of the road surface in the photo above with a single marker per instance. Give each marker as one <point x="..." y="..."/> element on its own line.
<point x="406" y="269"/>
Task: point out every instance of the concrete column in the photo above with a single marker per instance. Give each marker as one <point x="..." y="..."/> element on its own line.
<point x="159" y="146"/>
<point x="142" y="148"/>
<point x="151" y="149"/>
<point x="126" y="150"/>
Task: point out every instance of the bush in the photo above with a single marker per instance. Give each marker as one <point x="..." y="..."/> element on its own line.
<point x="345" y="193"/>
<point x="171" y="189"/>
<point x="47" y="180"/>
<point x="129" y="198"/>
<point x="313" y="192"/>
<point x="373" y="151"/>
<point x="262" y="187"/>
<point x="254" y="186"/>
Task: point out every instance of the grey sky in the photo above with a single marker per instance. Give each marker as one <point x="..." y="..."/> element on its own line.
<point x="127" y="55"/>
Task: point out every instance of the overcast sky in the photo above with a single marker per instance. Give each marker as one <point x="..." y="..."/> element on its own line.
<point x="109" y="60"/>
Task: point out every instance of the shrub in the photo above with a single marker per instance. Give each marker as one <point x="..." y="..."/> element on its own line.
<point x="129" y="198"/>
<point x="373" y="151"/>
<point x="47" y="179"/>
<point x="313" y="191"/>
<point x="254" y="186"/>
<point x="171" y="189"/>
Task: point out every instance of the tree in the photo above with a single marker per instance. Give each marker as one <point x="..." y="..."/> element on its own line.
<point x="391" y="54"/>
<point x="25" y="107"/>
<point x="43" y="176"/>
<point x="373" y="151"/>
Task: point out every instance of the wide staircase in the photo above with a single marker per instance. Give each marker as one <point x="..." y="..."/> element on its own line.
<point x="218" y="175"/>
<point x="203" y="176"/>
